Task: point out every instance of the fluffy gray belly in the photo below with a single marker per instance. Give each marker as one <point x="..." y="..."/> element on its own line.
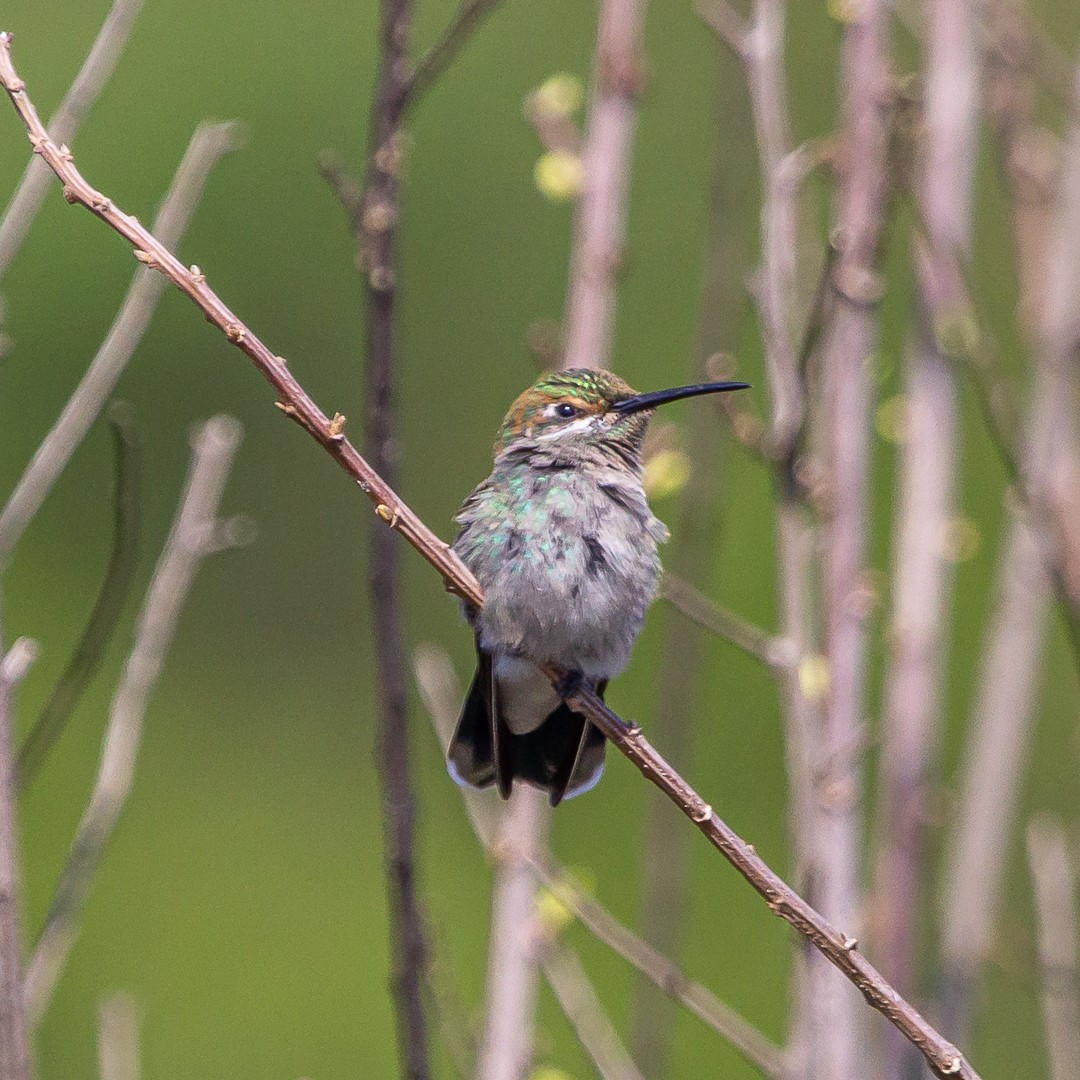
<point x="571" y="590"/>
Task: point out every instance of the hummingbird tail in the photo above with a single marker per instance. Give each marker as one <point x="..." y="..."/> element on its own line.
<point x="563" y="756"/>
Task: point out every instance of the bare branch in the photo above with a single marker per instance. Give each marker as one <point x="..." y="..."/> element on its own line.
<point x="506" y="1047"/>
<point x="207" y="146"/>
<point x="928" y="466"/>
<point x="344" y="184"/>
<point x="601" y="213"/>
<point x="118" y="1038"/>
<point x="100" y="627"/>
<point x="445" y="51"/>
<point x="742" y="633"/>
<point x="64" y="124"/>
<point x="1053" y="878"/>
<point x="1054" y="478"/>
<point x="374" y="223"/>
<point x="669" y="978"/>
<point x="578" y="999"/>
<point x="729" y="25"/>
<point x="943" y="1058"/>
<point x="14" y="1040"/>
<point x="213" y="448"/>
<point x="848" y="339"/>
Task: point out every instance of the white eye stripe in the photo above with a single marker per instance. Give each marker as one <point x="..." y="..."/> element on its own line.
<point x="583" y="423"/>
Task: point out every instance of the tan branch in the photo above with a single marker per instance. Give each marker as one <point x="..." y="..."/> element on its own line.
<point x="578" y="1000"/>
<point x="1053" y="879"/>
<point x="1001" y="727"/>
<point x="841" y="950"/>
<point x="14" y="1039"/>
<point x="922" y="573"/>
<point x="742" y="633"/>
<point x="507" y="1044"/>
<point x="664" y="974"/>
<point x="64" y="124"/>
<point x="118" y="1038"/>
<point x="611" y="121"/>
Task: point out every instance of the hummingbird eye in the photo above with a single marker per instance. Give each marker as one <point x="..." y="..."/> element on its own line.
<point x="565" y="411"/>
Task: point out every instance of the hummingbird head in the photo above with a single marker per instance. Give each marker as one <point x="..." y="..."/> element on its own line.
<point x="589" y="406"/>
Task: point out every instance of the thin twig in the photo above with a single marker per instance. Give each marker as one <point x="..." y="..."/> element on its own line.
<point x="928" y="466"/>
<point x="64" y="124"/>
<point x="375" y="229"/>
<point x="118" y="1038"/>
<point x="992" y="769"/>
<point x="213" y="448"/>
<point x="207" y="146"/>
<point x="507" y="1044"/>
<point x="441" y="693"/>
<point x="760" y="48"/>
<point x="610" y="124"/>
<point x="111" y="599"/>
<point x="14" y="1038"/>
<point x="726" y="624"/>
<point x="1053" y="879"/>
<point x="943" y="1058"/>
<point x="444" y="52"/>
<point x="453" y="1018"/>
<point x="1054" y="475"/>
<point x="665" y="975"/>
<point x="849" y="336"/>
<point x="579" y="1001"/>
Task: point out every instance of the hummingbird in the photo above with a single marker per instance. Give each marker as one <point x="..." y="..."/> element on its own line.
<point x="562" y="539"/>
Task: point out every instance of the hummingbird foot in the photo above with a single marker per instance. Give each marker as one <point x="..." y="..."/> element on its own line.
<point x="571" y="684"/>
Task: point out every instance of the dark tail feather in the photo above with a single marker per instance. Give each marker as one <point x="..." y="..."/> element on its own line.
<point x="470" y="756"/>
<point x="564" y="756"/>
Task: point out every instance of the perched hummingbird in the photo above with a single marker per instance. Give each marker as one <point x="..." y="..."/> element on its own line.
<point x="562" y="539"/>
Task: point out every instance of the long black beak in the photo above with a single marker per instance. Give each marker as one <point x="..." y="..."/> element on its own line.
<point x="661" y="397"/>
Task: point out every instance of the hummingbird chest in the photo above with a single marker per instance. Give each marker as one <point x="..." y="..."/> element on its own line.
<point x="568" y="560"/>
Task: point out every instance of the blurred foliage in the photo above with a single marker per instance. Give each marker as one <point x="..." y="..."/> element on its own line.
<point x="242" y="902"/>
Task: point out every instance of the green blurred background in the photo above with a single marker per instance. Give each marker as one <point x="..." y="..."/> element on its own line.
<point x="242" y="901"/>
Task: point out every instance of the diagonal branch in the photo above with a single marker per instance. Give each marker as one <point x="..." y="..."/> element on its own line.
<point x="578" y="1000"/>
<point x="64" y="124"/>
<point x="667" y="976"/>
<point x="444" y="52"/>
<point x="842" y="951"/>
<point x="695" y="606"/>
